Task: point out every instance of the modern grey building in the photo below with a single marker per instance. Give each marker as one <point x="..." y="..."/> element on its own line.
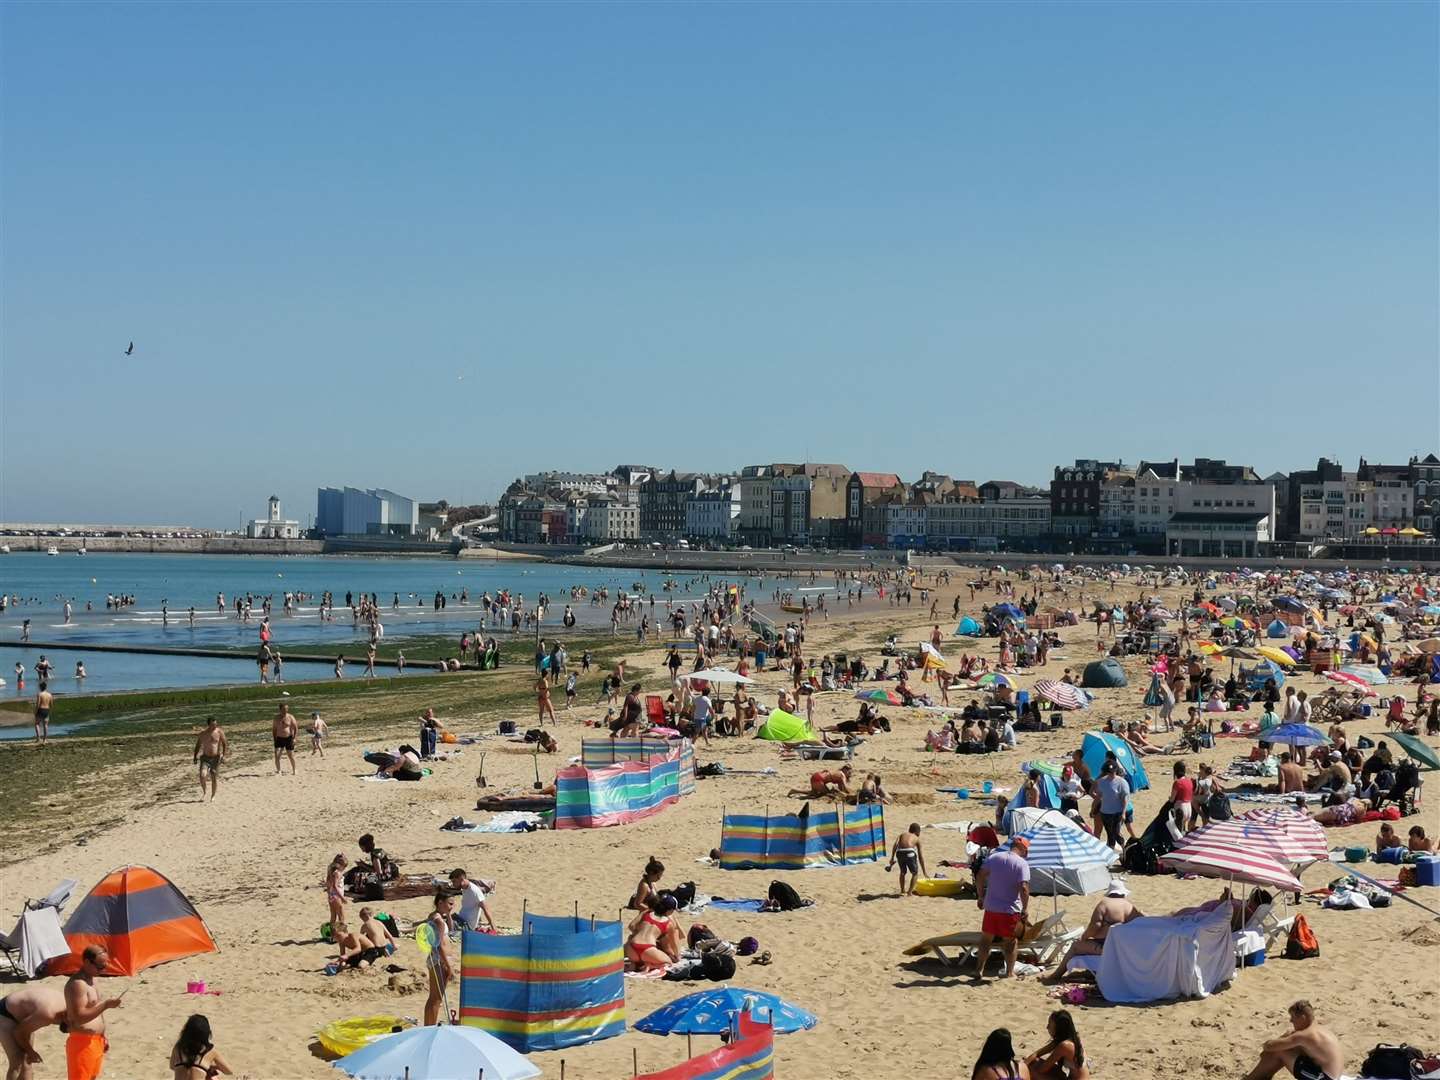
<point x="355" y="512"/>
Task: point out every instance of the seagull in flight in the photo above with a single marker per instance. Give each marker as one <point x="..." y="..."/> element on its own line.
<point x="130" y="351"/>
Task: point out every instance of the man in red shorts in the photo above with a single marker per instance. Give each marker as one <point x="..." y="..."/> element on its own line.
<point x="1003" y="892"/>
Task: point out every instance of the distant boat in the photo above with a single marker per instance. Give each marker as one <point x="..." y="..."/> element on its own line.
<point x="4" y="549"/>
<point x="52" y="550"/>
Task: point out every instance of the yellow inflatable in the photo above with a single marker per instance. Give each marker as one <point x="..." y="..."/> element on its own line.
<point x="346" y="1036"/>
<point x="943" y="887"/>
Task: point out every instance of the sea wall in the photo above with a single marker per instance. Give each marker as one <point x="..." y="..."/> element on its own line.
<point x="166" y="545"/>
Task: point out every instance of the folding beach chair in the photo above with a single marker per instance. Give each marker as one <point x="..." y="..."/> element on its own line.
<point x="655" y="710"/>
<point x="37" y="935"/>
<point x="1043" y="941"/>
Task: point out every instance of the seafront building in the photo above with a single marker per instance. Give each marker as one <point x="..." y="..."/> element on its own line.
<point x="272" y="526"/>
<point x="355" y="512"/>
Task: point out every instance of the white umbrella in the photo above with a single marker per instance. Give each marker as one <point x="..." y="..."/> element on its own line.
<point x="717" y="675"/>
<point x="449" y="1052"/>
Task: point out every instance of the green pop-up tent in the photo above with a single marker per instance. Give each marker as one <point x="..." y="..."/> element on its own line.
<point x="782" y="726"/>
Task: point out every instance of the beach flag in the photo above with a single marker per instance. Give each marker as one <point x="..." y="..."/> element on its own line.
<point x="750" y="1057"/>
<point x="618" y="794"/>
<point x="557" y="983"/>
<point x="802" y="841"/>
<point x="140" y="918"/>
<point x="597" y="753"/>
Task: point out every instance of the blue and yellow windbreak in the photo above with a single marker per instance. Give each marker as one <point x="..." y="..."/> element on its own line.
<point x="804" y="840"/>
<point x="557" y="983"/>
<point x="617" y="794"/>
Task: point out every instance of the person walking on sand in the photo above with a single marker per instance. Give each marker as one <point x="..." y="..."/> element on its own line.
<point x="318" y="731"/>
<point x="85" y="1011"/>
<point x="23" y="1013"/>
<point x="283" y="729"/>
<point x="44" y="700"/>
<point x="1309" y="1051"/>
<point x="542" y="696"/>
<point x="370" y="661"/>
<point x="911" y="857"/>
<point x="211" y="750"/>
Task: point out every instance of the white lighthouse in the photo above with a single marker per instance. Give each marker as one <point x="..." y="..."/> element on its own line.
<point x="273" y="527"/>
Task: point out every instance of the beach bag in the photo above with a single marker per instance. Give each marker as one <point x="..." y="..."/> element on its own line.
<point x="1218" y="807"/>
<point x="717" y="967"/>
<point x="1301" y="944"/>
<point x="1390" y="855"/>
<point x="1387" y="1062"/>
<point x="1139" y="859"/>
<point x="683" y="893"/>
<point x="784" y="896"/>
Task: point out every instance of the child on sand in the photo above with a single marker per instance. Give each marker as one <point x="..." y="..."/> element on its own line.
<point x="908" y="853"/>
<point x="318" y="731"/>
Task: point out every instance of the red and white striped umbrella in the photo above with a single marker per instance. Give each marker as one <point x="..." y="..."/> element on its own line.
<point x="1061" y="694"/>
<point x="1300" y="827"/>
<point x="1245" y="836"/>
<point x="1347" y="679"/>
<point x="1255" y="868"/>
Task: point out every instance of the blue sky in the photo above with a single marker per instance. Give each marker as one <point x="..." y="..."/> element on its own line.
<point x="432" y="247"/>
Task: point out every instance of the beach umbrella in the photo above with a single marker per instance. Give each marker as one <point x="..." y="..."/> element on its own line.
<point x="710" y="1011"/>
<point x="444" y="1052"/>
<point x="1254" y="867"/>
<point x="996" y="678"/>
<point x="1430" y="609"/>
<point x="1293" y="735"/>
<point x="1414" y="748"/>
<point x="1372" y="675"/>
<point x="1060" y="694"/>
<point x="1009" y="610"/>
<point x="1234" y="622"/>
<point x="1280" y="656"/>
<point x="1301" y="827"/>
<point x="1429" y="645"/>
<point x="1248" y="835"/>
<point x="1054" y="847"/>
<point x="717" y="676"/>
<point x="1289" y="603"/>
<point x="1208" y="648"/>
<point x="1347" y="679"/>
<point x="880" y="697"/>
<point x="1410" y="530"/>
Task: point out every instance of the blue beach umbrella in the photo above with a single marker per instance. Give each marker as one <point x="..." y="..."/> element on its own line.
<point x="435" y="1053"/>
<point x="710" y="1011"/>
<point x="1294" y="735"/>
<point x="1056" y="848"/>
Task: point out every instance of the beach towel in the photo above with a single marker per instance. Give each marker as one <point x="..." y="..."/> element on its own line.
<point x="737" y="905"/>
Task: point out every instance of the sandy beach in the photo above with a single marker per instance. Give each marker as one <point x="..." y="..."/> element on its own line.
<point x="253" y="861"/>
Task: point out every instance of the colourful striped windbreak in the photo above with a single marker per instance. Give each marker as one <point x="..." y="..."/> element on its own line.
<point x="140" y="918"/>
<point x="617" y="794"/>
<point x="557" y="983"/>
<point x="803" y="840"/>
<point x="750" y="1057"/>
<point x="597" y="753"/>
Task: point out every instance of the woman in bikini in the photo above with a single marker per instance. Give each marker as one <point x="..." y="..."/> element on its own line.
<point x="645" y="896"/>
<point x="654" y="937"/>
<point x="997" y="1059"/>
<point x="194" y="1056"/>
<point x="1063" y="1057"/>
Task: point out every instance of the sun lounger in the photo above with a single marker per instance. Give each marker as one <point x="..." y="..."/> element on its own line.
<point x="1044" y="941"/>
<point x="37" y="936"/>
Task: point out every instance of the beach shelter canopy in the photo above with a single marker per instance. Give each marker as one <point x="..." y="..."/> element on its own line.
<point x="711" y="1012"/>
<point x="1421" y="752"/>
<point x="749" y="1057"/>
<point x="1061" y="695"/>
<point x="1092" y="751"/>
<point x="438" y="1053"/>
<point x="1293" y="735"/>
<point x="1168" y="956"/>
<point x="1277" y="629"/>
<point x="1064" y="859"/>
<point x="782" y="726"/>
<point x="140" y="918"/>
<point x="968" y="628"/>
<point x="559" y="982"/>
<point x="1023" y="818"/>
<point x="1008" y="610"/>
<point x="1104" y="673"/>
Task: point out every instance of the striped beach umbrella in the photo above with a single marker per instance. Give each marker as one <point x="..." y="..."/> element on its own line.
<point x="1254" y="867"/>
<point x="1344" y="678"/>
<point x="880" y="697"/>
<point x="1248" y="835"/>
<point x="996" y="678"/>
<point x="1053" y="847"/>
<point x="1060" y="694"/>
<point x="1300" y="827"/>
<point x="1372" y="675"/>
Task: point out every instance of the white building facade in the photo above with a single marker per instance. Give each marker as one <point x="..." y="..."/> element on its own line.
<point x="273" y="526"/>
<point x="713" y="515"/>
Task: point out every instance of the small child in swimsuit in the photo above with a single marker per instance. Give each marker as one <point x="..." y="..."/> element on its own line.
<point x="318" y="731"/>
<point x="908" y="854"/>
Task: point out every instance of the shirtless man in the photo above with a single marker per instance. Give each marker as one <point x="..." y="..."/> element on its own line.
<point x="85" y="1016"/>
<point x="210" y="750"/>
<point x="283" y="729"/>
<point x="1115" y="910"/>
<point x="23" y="1013"/>
<point x="1292" y="776"/>
<point x="1309" y="1051"/>
<point x="43" y="701"/>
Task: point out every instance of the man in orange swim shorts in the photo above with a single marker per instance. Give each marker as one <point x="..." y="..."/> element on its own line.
<point x="85" y="1017"/>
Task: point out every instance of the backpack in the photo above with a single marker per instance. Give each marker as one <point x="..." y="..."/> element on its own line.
<point x="1301" y="944"/>
<point x="1387" y="1062"/>
<point x="1139" y="859"/>
<point x="717" y="967"/>
<point x="1218" y="807"/>
<point x="684" y="894"/>
<point x="785" y="897"/>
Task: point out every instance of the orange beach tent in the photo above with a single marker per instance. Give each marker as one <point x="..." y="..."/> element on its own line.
<point x="141" y="919"/>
